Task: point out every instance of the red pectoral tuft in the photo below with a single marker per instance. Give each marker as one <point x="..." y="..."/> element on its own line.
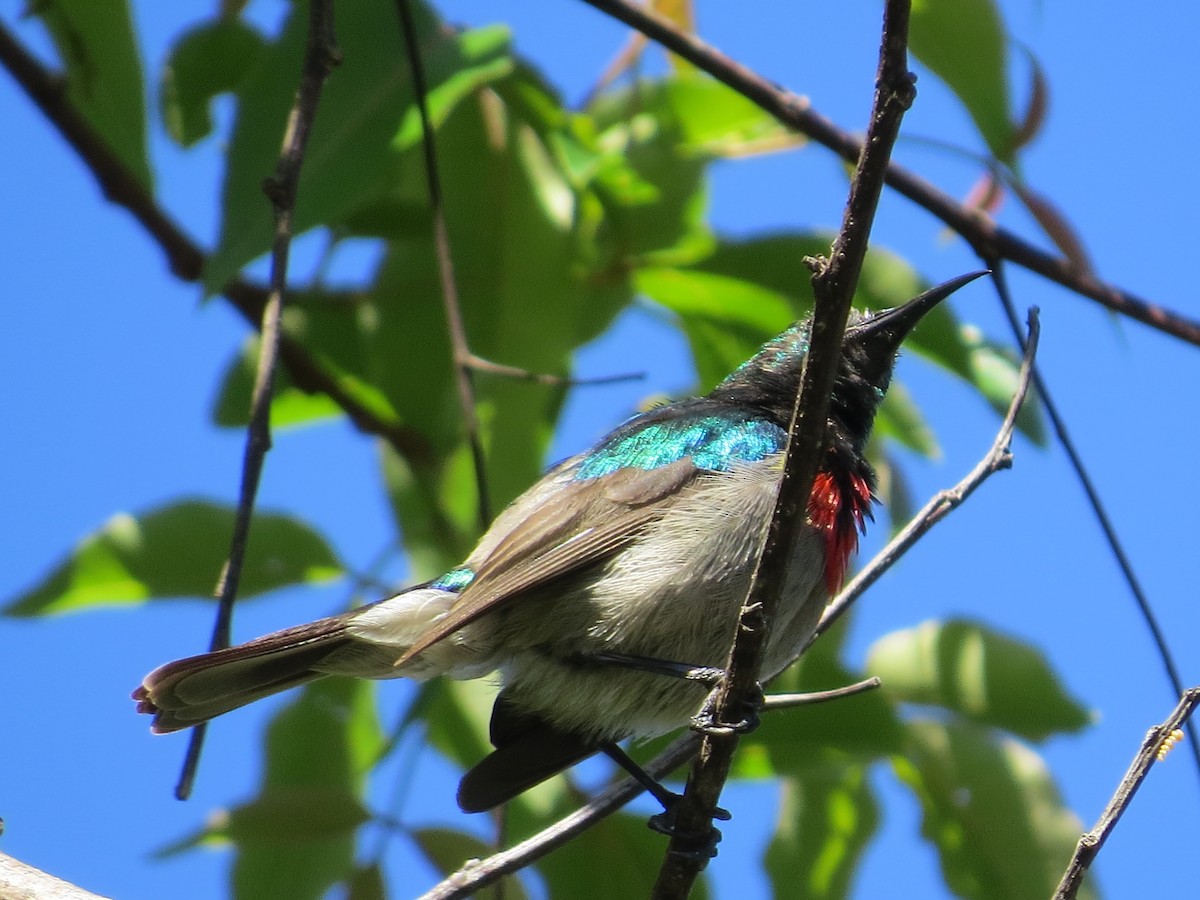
<point x="839" y="507"/>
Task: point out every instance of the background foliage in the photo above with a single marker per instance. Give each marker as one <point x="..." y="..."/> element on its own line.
<point x="574" y="216"/>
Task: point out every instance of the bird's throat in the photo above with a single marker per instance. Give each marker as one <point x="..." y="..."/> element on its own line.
<point x="838" y="508"/>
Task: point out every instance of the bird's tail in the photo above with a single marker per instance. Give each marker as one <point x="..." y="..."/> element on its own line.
<point x="193" y="690"/>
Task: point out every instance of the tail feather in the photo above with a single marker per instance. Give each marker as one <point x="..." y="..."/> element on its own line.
<point x="193" y="690"/>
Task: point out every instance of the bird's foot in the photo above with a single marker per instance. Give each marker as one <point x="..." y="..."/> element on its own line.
<point x="699" y="845"/>
<point x="706" y="721"/>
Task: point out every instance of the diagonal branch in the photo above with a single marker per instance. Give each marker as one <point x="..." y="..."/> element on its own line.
<point x="833" y="284"/>
<point x="987" y="238"/>
<point x="1152" y="748"/>
<point x="320" y="58"/>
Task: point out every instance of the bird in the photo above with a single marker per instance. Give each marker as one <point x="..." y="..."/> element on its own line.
<point x="608" y="593"/>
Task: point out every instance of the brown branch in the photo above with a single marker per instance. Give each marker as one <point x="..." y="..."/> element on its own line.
<point x="1090" y="843"/>
<point x="1116" y="547"/>
<point x="184" y="256"/>
<point x="988" y="239"/>
<point x="320" y="57"/>
<point x="19" y="881"/>
<point x="833" y="285"/>
<point x="441" y="241"/>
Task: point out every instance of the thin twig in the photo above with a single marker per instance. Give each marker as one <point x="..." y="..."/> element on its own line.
<point x="478" y="874"/>
<point x="808" y="698"/>
<point x="1091" y="842"/>
<point x="998" y="458"/>
<point x="1100" y="513"/>
<point x="445" y="263"/>
<point x="486" y="366"/>
<point x="984" y="235"/>
<point x="321" y="56"/>
<point x="833" y="285"/>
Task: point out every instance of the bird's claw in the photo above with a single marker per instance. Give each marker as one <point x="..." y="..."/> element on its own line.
<point x="706" y="722"/>
<point x="702" y="845"/>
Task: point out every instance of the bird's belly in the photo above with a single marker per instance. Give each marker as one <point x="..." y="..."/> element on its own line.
<point x="673" y="595"/>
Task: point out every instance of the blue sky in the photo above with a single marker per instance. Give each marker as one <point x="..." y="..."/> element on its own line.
<point x="112" y="364"/>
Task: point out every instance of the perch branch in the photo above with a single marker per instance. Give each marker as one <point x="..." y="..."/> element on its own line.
<point x="833" y="284"/>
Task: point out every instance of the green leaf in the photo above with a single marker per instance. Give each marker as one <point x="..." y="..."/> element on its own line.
<point x="290" y="406"/>
<point x="863" y="727"/>
<point x="988" y="803"/>
<point x="177" y="551"/>
<point x="296" y="838"/>
<point x="619" y="857"/>
<point x="366" y="883"/>
<point x="209" y="60"/>
<point x="826" y="818"/>
<point x="652" y="183"/>
<point x="964" y="43"/>
<point x="99" y="51"/>
<point x="351" y="158"/>
<point x="988" y="677"/>
<point x="994" y="371"/>
<point x="448" y="850"/>
<point x="715" y="120"/>
<point x="900" y="419"/>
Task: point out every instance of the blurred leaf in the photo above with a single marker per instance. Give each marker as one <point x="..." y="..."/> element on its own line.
<point x="826" y="818"/>
<point x="715" y="120"/>
<point x="296" y="838"/>
<point x="619" y="857"/>
<point x="973" y="670"/>
<point x="366" y="883"/>
<point x="994" y="371"/>
<point x="864" y="726"/>
<point x="100" y="54"/>
<point x="661" y="221"/>
<point x="991" y="808"/>
<point x="290" y="406"/>
<point x="722" y="316"/>
<point x="900" y="419"/>
<point x="1057" y="227"/>
<point x="209" y="60"/>
<point x="178" y="551"/>
<point x="448" y="850"/>
<point x="296" y="815"/>
<point x="965" y="44"/>
<point x="350" y="157"/>
<point x="1031" y="123"/>
<point x="457" y="714"/>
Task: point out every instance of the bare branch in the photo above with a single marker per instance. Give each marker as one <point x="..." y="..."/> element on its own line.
<point x="988" y="239"/>
<point x="321" y="56"/>
<point x="19" y="881"/>
<point x="1089" y="845"/>
<point x="833" y="284"/>
<point x="1101" y="514"/>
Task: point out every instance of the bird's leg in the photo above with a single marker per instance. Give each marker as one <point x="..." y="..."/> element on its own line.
<point x="664" y="822"/>
<point x="711" y="677"/>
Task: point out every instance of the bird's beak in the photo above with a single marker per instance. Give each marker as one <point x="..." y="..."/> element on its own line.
<point x="889" y="328"/>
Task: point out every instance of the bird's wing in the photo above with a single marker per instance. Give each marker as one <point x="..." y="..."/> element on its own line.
<point x="584" y="523"/>
<point x="528" y="751"/>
